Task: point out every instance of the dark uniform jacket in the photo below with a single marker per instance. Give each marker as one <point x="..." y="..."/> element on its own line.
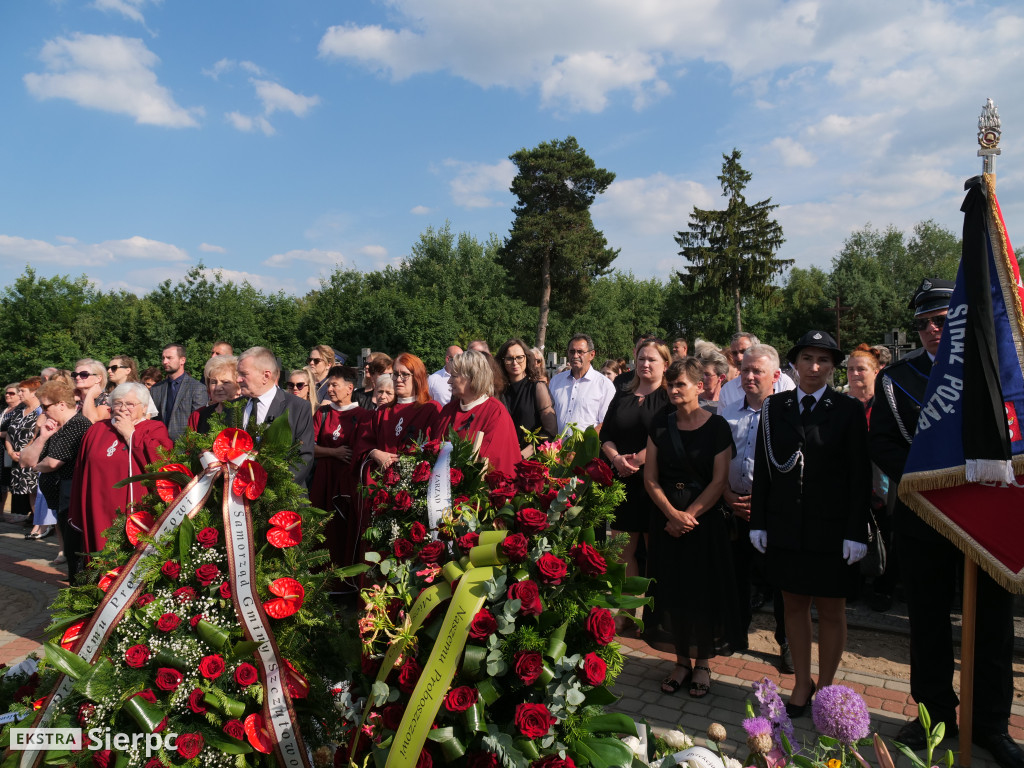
<point x="830" y="503"/>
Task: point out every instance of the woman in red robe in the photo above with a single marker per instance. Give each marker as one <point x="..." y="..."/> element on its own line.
<point x="475" y="415"/>
<point x="334" y="486"/>
<point x="112" y="450"/>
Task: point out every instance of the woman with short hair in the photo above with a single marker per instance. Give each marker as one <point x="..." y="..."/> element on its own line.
<point x="90" y="385"/>
<point x="383" y="392"/>
<point x="475" y="415"/>
<point x="12" y="403"/>
<point x="528" y="400"/>
<point x="862" y="369"/>
<point x="221" y="376"/>
<point x="21" y="430"/>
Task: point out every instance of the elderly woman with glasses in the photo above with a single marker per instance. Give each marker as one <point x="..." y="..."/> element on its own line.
<point x="221" y="376"/>
<point x="302" y="384"/>
<point x="475" y="415"/>
<point x="112" y="450"/>
<point x="21" y="430"/>
<point x="90" y="382"/>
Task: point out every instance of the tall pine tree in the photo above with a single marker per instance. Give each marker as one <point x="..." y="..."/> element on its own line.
<point x="732" y="252"/>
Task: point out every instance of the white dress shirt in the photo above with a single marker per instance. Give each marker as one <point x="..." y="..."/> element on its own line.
<point x="440" y="389"/>
<point x="265" y="400"/>
<point x="732" y="391"/>
<point x="583" y="401"/>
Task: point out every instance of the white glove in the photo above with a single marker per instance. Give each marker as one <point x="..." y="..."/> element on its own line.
<point x="852" y="550"/>
<point x="760" y="540"/>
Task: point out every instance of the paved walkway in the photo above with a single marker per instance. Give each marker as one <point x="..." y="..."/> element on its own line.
<point x="29" y="585"/>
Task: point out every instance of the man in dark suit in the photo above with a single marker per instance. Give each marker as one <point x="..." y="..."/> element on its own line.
<point x="258" y="373"/>
<point x="929" y="562"/>
<point x="178" y="394"/>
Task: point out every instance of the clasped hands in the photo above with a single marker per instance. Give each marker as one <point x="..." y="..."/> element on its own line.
<point x="680" y="523"/>
<point x="852" y="550"/>
<point x="629" y="465"/>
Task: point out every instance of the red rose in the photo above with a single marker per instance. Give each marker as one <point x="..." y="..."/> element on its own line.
<point x="145" y="599"/>
<point x="482" y="760"/>
<point x="195" y="620"/>
<point x="380" y="500"/>
<point x="245" y="674"/>
<point x="207" y="537"/>
<point x="601" y="625"/>
<point x="235" y="729"/>
<point x="433" y="447"/>
<point x="417" y="532"/>
<point x="552" y="569"/>
<point x="168" y="679"/>
<point x="168" y="622"/>
<point x="528" y="593"/>
<point x="391" y="715"/>
<point x="514" y="546"/>
<point x="391" y="476"/>
<point x="547" y="497"/>
<point x="500" y="495"/>
<point x="85" y="713"/>
<point x="432" y="551"/>
<point x="588" y="559"/>
<point x="196" y="702"/>
<point x="460" y="699"/>
<point x="554" y="761"/>
<point x="599" y="472"/>
<point x="467" y="541"/>
<point x="136" y="656"/>
<point x="494" y="478"/>
<point x="146" y="695"/>
<point x="533" y="720"/>
<point x="154" y="762"/>
<point x="528" y="665"/>
<point x="593" y="671"/>
<point x="211" y="667"/>
<point x="403" y="548"/>
<point x="531" y="520"/>
<point x="459" y="500"/>
<point x="101" y="758"/>
<point x="403" y="501"/>
<point x="409" y="674"/>
<point x="422" y="472"/>
<point x="483" y="625"/>
<point x="189" y="745"/>
<point x="424" y="760"/>
<point x="530" y="476"/>
<point x="455" y="475"/>
<point x="185" y="594"/>
<point x="225" y="590"/>
<point x="171" y="569"/>
<point x="207" y="573"/>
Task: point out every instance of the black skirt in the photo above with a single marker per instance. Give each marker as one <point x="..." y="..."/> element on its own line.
<point x="809" y="573"/>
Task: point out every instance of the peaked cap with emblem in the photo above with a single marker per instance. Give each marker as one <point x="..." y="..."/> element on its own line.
<point x="931" y="294"/>
<point x="820" y="339"/>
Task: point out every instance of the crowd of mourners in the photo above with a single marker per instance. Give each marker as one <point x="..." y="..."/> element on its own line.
<point x="749" y="478"/>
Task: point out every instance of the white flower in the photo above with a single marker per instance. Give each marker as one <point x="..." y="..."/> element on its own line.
<point x="677" y="740"/>
<point x="634" y="745"/>
<point x="732" y="762"/>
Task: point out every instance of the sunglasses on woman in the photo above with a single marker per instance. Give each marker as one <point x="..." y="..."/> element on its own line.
<point x="113" y="368"/>
<point x="301" y="385"/>
<point x="82" y="374"/>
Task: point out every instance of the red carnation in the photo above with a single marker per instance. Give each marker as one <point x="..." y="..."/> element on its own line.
<point x="417" y="532"/>
<point x="588" y="559"/>
<point x="528" y="665"/>
<point x="552" y="569"/>
<point x="185" y="594"/>
<point x="207" y="537"/>
<point x="593" y="671"/>
<point x="245" y="674"/>
<point x="554" y="761"/>
<point x="601" y="625"/>
<point x="514" y="546"/>
<point x="168" y="622"/>
<point x="467" y="541"/>
<point x="403" y="548"/>
<point x="531" y="520"/>
<point x="171" y="569"/>
<point x="460" y="699"/>
<point x="189" y="745"/>
<point x="455" y="475"/>
<point x="409" y="674"/>
<point x="422" y="472"/>
<point x="207" y="573"/>
<point x="196" y="702"/>
<point x="483" y="625"/>
<point x="432" y="551"/>
<point x="234" y="729"/>
<point x="528" y="594"/>
<point x="136" y="656"/>
<point x="533" y="720"/>
<point x="403" y="501"/>
<point x="211" y="667"/>
<point x="168" y="679"/>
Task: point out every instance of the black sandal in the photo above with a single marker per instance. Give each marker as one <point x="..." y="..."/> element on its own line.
<point x="699" y="690"/>
<point x="671" y="685"/>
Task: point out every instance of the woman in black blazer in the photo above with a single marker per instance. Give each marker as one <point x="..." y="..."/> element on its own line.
<point x="811" y="490"/>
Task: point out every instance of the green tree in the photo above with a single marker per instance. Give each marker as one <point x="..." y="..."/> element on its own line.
<point x="553" y="249"/>
<point x="732" y="252"/>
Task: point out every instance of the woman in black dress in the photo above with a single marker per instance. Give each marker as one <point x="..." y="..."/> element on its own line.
<point x="694" y="611"/>
<point x="811" y="490"/>
<point x="624" y="434"/>
<point x="527" y="399"/>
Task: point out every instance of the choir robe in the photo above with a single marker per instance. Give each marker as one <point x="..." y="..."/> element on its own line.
<point x="499" y="446"/>
<point x="394" y="428"/>
<point x="335" y="482"/>
<point x="103" y="460"/>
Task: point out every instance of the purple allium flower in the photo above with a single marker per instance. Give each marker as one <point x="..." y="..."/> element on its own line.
<point x="840" y="713"/>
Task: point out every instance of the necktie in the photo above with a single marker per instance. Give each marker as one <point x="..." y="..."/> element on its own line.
<point x="807" y="401"/>
<point x="254" y="412"/>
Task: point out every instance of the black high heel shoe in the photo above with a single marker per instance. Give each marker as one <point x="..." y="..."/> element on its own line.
<point x="799" y="710"/>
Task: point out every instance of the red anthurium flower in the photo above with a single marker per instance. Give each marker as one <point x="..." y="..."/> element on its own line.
<point x="290" y="597"/>
<point x="167" y="490"/>
<point x="232" y="443"/>
<point x="298" y="686"/>
<point x="286" y="530"/>
<point x="71" y="635"/>
<point x="250" y="480"/>
<point x="257" y="733"/>
<point x="139" y="522"/>
<point x="109" y="578"/>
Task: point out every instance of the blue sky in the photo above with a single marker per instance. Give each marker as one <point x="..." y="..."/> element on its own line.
<point x="277" y="140"/>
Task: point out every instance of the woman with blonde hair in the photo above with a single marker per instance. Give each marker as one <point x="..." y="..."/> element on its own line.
<point x="221" y="376"/>
<point x="90" y="384"/>
<point x="302" y="383"/>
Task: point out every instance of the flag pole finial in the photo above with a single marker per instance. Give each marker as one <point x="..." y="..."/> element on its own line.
<point x="989" y="133"/>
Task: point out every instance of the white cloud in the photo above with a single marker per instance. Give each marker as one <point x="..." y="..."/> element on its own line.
<point x="374" y="251"/>
<point x="653" y="205"/>
<point x="276" y="97"/>
<point x="228" y="65"/>
<point x="247" y="124"/>
<point x="584" y="80"/>
<point x="793" y="153"/>
<point x="474" y="183"/>
<point x="420" y="210"/>
<point x="127" y="8"/>
<point x="72" y="253"/>
<point x="110" y="73"/>
<point x="207" y="248"/>
<point x="313" y="256"/>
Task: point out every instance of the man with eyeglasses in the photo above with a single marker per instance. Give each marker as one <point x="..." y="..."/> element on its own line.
<point x="178" y="394"/>
<point x="437" y="382"/>
<point x="929" y="563"/>
<point x="581" y="394"/>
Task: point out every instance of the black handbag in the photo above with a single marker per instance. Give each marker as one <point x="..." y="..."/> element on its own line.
<point x="874" y="561"/>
